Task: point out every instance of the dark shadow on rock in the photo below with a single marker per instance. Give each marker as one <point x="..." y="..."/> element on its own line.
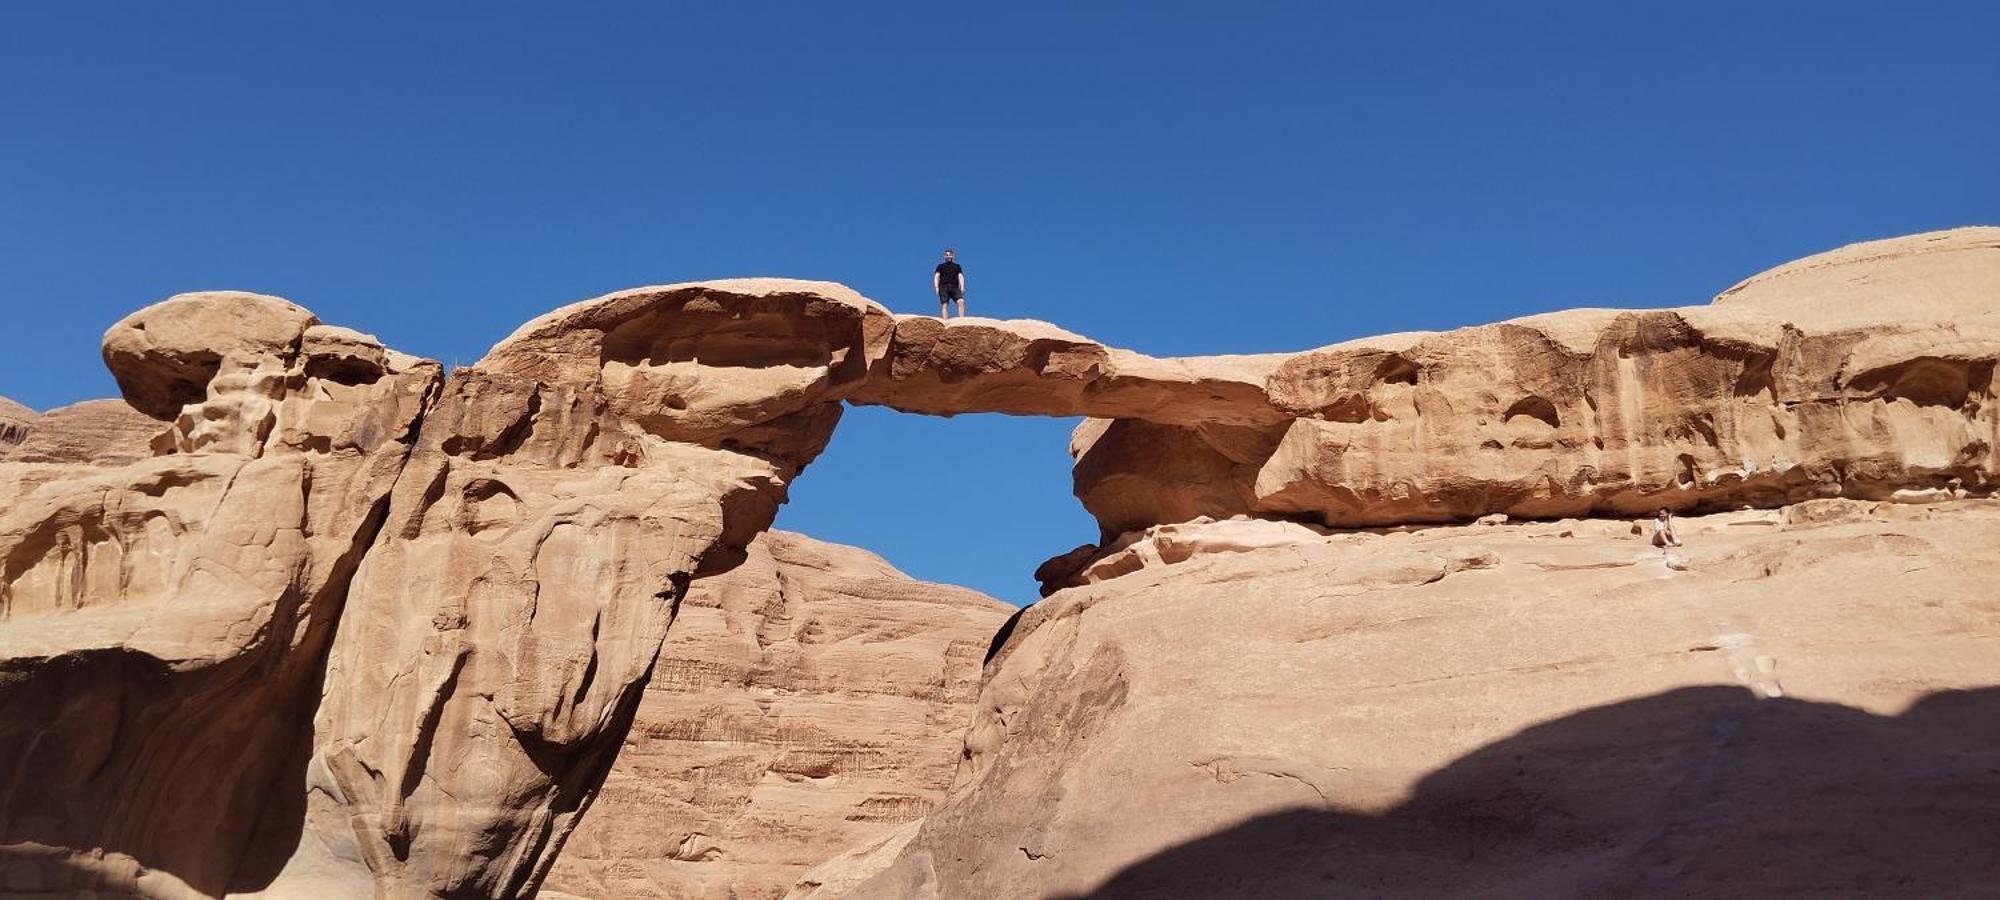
<point x="1700" y="792"/>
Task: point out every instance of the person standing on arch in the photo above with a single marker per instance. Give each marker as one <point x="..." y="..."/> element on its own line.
<point x="949" y="282"/>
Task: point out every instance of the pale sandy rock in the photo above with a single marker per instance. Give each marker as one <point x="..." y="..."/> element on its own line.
<point x="1521" y="709"/>
<point x="96" y="432"/>
<point x="1165" y="545"/>
<point x="1026" y="367"/>
<point x="1951" y="275"/>
<point x="166" y="620"/>
<point x="1755" y="401"/>
<point x="807" y="702"/>
<point x="15" y="420"/>
<point x="561" y="495"/>
<point x="165" y="355"/>
<point x="504" y="550"/>
<point x="756" y="364"/>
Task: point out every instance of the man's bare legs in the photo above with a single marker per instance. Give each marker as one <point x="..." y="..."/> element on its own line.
<point x="944" y="308"/>
<point x="961" y="307"/>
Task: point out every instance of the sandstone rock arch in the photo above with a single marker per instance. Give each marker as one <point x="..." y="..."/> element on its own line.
<point x="449" y="586"/>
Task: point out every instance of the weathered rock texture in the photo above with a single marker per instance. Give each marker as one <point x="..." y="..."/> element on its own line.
<point x="807" y="702"/>
<point x="1025" y="367"/>
<point x="558" y="498"/>
<point x="356" y="626"/>
<point x="96" y="432"/>
<point x="15" y="420"/>
<point x="1786" y="389"/>
<point x="503" y="550"/>
<point x="166" y="621"/>
<point x="1800" y="701"/>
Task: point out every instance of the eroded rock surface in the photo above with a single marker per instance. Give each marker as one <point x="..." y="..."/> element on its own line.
<point x="1798" y="701"/>
<point x="1775" y="394"/>
<point x="15" y="420"/>
<point x="503" y="548"/>
<point x="807" y="702"/>
<point x="381" y="629"/>
<point x="166" y="621"/>
<point x="96" y="432"/>
<point x="1025" y="367"/>
<point x="558" y="499"/>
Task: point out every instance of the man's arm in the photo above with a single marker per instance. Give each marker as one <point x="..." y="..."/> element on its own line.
<point x="934" y="281"/>
<point x="961" y="281"/>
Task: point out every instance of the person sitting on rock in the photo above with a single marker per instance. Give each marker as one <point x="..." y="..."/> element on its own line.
<point x="1663" y="529"/>
<point x="949" y="282"/>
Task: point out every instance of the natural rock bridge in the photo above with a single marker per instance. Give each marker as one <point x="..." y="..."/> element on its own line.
<point x="432" y="597"/>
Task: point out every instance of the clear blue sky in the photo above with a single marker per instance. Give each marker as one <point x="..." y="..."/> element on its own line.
<point x="1175" y="178"/>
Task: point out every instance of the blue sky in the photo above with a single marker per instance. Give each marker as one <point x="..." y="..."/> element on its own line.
<point x="1176" y="178"/>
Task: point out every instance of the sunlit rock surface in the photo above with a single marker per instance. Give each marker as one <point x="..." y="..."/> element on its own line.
<point x="1798" y="701"/>
<point x="331" y="621"/>
<point x="807" y="702"/>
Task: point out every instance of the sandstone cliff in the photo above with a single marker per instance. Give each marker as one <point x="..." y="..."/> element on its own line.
<point x="378" y="628"/>
<point x="96" y="432"/>
<point x="807" y="702"/>
<point x="383" y="629"/>
<point x="1801" y="701"/>
<point x="1859" y="373"/>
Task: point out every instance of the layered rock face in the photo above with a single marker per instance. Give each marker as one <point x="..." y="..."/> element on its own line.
<point x="380" y="629"/>
<point x="502" y="549"/>
<point x="95" y="432"/>
<point x="558" y="499"/>
<point x="1787" y="388"/>
<point x="166" y="621"/>
<point x="1799" y="701"/>
<point x="811" y="700"/>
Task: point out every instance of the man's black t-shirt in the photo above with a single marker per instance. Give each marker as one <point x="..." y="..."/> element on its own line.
<point x="947" y="275"/>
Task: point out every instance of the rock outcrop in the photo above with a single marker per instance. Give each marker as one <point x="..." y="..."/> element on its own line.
<point x="95" y="432"/>
<point x="1799" y="701"/>
<point x="1773" y="395"/>
<point x="1025" y="367"/>
<point x="15" y="420"/>
<point x="380" y="629"/>
<point x="166" y="621"/>
<point x="809" y="701"/>
<point x="502" y="548"/>
<point x="557" y="500"/>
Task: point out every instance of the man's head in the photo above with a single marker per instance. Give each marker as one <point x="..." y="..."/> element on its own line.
<point x="1664" y="512"/>
<point x="949" y="253"/>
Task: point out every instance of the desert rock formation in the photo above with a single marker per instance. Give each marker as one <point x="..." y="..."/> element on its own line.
<point x="1800" y="700"/>
<point x="812" y="699"/>
<point x="503" y="548"/>
<point x="383" y="629"/>
<point x="95" y="432"/>
<point x="15" y="420"/>
<point x="166" y="621"/>
<point x="1781" y="391"/>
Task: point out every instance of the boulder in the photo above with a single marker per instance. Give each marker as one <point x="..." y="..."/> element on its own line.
<point x="165" y="355"/>
<point x="807" y="702"/>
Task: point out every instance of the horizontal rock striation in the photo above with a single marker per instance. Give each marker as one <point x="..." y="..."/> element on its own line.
<point x="811" y="700"/>
<point x="381" y="629"/>
<point x="1759" y="400"/>
<point x="1030" y="368"/>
